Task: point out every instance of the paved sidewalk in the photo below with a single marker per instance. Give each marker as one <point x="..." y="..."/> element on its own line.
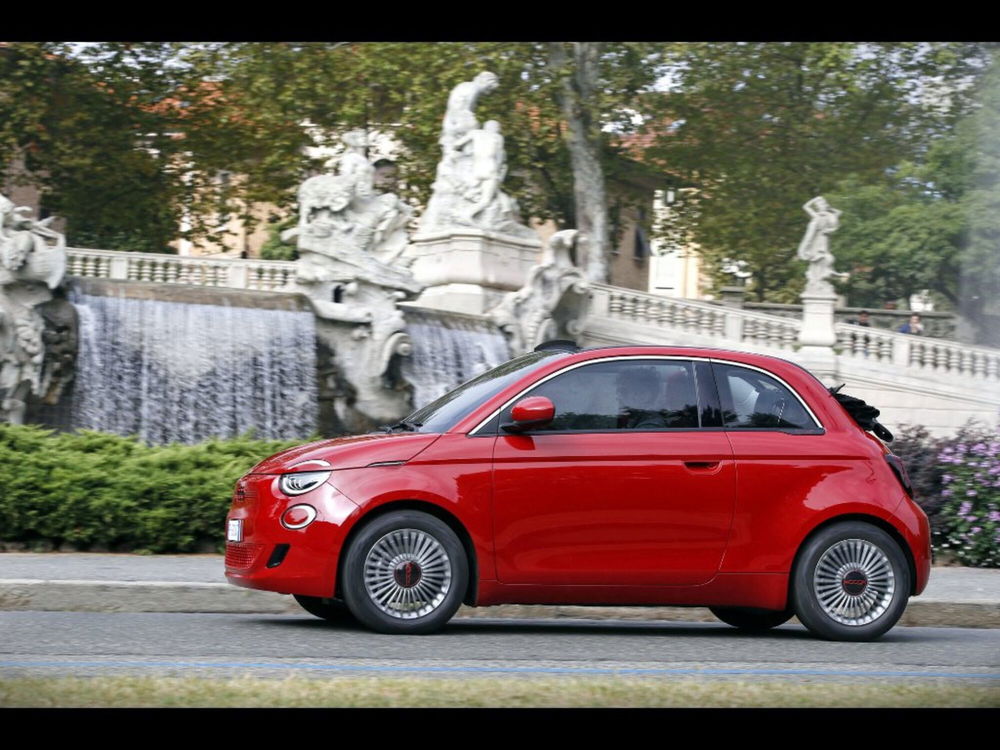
<point x="93" y="582"/>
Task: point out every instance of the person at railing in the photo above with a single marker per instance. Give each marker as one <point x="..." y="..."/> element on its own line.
<point x="913" y="325"/>
<point x="861" y="320"/>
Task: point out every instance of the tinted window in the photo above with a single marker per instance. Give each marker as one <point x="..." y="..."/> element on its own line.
<point x="751" y="399"/>
<point x="622" y="395"/>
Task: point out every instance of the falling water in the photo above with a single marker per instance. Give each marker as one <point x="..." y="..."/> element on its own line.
<point x="447" y="351"/>
<point x="181" y="372"/>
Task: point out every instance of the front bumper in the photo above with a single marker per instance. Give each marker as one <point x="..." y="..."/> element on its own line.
<point x="308" y="565"/>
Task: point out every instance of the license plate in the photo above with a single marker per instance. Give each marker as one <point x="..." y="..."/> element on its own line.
<point x="234" y="530"/>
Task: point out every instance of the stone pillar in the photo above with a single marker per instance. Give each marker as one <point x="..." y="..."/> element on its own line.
<point x="733" y="296"/>
<point x="469" y="270"/>
<point x="817" y="336"/>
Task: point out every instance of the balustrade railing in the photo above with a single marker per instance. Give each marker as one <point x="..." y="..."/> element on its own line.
<point x="733" y="326"/>
<point x="699" y="318"/>
<point x="234" y="273"/>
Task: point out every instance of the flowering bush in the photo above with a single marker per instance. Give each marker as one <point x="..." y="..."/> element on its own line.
<point x="969" y="518"/>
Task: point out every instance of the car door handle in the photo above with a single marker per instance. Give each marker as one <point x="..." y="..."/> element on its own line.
<point x="701" y="464"/>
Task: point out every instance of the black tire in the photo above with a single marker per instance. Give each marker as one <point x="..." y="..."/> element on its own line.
<point x="333" y="610"/>
<point x="752" y="619"/>
<point x="851" y="582"/>
<point x="405" y="572"/>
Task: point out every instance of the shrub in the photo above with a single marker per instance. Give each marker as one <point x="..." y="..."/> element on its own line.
<point x="970" y="513"/>
<point x="92" y="489"/>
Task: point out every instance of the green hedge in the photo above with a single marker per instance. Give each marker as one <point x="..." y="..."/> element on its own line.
<point x="95" y="490"/>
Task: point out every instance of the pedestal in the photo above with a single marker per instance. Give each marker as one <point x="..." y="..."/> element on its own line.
<point x="733" y="296"/>
<point x="467" y="270"/>
<point x="817" y="336"/>
<point x="817" y="320"/>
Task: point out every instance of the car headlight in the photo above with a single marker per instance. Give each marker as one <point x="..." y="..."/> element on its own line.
<point x="302" y="482"/>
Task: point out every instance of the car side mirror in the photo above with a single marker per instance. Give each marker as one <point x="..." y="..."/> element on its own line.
<point x="529" y="413"/>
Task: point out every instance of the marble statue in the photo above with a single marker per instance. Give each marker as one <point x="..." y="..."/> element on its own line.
<point x="32" y="263"/>
<point x="350" y="236"/>
<point x="347" y="229"/>
<point x="552" y="301"/>
<point x="815" y="246"/>
<point x="466" y="193"/>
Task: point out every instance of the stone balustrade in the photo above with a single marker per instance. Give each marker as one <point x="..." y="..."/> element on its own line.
<point x="233" y="273"/>
<point x="735" y="327"/>
<point x="729" y="325"/>
<point x="925" y="354"/>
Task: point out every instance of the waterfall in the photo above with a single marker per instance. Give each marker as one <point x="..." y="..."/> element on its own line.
<point x="449" y="349"/>
<point x="184" y="372"/>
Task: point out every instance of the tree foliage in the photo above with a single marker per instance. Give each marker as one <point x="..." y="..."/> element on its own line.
<point x="131" y="141"/>
<point x="934" y="223"/>
<point x="760" y="128"/>
<point x="78" y="129"/>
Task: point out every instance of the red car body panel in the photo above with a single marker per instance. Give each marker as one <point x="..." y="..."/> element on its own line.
<point x="643" y="508"/>
<point x="688" y="517"/>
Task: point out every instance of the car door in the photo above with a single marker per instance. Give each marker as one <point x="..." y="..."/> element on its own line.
<point x="785" y="462"/>
<point x="633" y="483"/>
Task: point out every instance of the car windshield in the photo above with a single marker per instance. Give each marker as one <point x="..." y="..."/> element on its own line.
<point x="441" y="415"/>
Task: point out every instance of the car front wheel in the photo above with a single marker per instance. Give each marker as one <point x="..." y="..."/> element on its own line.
<point x="851" y="583"/>
<point x="405" y="572"/>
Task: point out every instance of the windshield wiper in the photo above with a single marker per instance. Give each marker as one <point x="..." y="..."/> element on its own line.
<point x="402" y="424"/>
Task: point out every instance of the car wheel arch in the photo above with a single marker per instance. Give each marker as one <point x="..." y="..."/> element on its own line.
<point x="430" y="509"/>
<point x="876" y="521"/>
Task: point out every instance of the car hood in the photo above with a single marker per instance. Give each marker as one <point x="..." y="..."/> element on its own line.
<point x="347" y="452"/>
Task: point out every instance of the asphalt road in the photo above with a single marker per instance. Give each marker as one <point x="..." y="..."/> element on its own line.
<point x="85" y="643"/>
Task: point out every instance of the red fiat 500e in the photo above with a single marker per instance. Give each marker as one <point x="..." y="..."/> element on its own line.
<point x="618" y="476"/>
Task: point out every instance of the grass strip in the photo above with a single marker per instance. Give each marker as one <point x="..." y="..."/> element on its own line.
<point x="419" y="692"/>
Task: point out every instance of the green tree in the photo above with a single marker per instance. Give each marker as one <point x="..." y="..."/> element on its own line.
<point x="759" y="128"/>
<point x="77" y="130"/>
<point x="402" y="87"/>
<point x="934" y="223"/>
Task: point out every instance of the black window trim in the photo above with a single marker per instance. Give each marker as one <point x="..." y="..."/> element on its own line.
<point x="474" y="432"/>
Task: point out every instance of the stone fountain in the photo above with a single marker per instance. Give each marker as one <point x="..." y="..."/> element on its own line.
<point x="384" y="323"/>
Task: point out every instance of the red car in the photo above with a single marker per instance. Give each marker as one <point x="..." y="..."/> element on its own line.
<point x="617" y="476"/>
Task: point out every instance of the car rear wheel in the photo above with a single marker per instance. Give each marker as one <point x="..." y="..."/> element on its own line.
<point x="752" y="619"/>
<point x="851" y="582"/>
<point x="405" y="572"/>
<point x="333" y="610"/>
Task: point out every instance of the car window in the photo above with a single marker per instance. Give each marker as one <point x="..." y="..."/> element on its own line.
<point x="441" y="415"/>
<point x="753" y="400"/>
<point x="639" y="395"/>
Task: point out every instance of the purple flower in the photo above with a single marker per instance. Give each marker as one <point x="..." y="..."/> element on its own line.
<point x="970" y="493"/>
<point x="946" y="478"/>
<point x="946" y="493"/>
<point x="995" y="515"/>
<point x="964" y="508"/>
<point x="979" y="447"/>
<point x="976" y="529"/>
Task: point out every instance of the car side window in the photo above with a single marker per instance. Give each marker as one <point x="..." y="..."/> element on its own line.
<point x="753" y="400"/>
<point x="639" y="395"/>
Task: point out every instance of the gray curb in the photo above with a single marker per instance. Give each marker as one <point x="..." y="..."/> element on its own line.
<point x="171" y="596"/>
